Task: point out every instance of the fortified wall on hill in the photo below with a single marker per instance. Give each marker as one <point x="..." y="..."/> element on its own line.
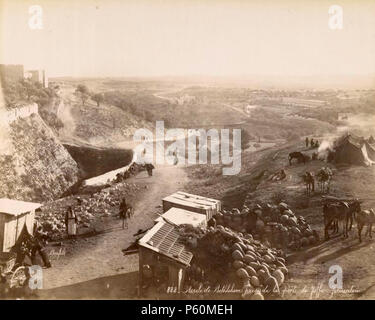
<point x="34" y="164"/>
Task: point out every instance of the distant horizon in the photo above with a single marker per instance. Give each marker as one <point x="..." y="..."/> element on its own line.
<point x="191" y="38"/>
<point x="197" y="77"/>
<point x="254" y="81"/>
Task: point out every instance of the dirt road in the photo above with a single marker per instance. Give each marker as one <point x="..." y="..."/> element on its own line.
<point x="95" y="268"/>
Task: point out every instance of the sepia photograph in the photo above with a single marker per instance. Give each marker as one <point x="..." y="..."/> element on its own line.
<point x="187" y="150"/>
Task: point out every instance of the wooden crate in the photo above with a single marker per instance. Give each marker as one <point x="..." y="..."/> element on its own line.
<point x="207" y="206"/>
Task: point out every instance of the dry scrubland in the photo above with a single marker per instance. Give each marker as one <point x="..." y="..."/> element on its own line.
<point x="40" y="168"/>
<point x="146" y="100"/>
<point x="105" y="125"/>
<point x="308" y="268"/>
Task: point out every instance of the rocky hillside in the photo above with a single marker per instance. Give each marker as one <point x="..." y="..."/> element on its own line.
<point x="104" y="125"/>
<point x="35" y="166"/>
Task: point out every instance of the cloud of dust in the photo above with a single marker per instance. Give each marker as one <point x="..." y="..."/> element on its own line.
<point x="358" y="124"/>
<point x="65" y="114"/>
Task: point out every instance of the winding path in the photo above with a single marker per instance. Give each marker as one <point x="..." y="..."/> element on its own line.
<point x="95" y="268"/>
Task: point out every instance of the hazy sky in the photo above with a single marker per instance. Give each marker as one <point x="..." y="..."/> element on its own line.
<point x="208" y="37"/>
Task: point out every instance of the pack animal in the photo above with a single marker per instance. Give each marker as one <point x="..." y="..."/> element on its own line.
<point x="324" y="178"/>
<point x="342" y="211"/>
<point x="309" y="180"/>
<point x="365" y="217"/>
<point x="297" y="155"/>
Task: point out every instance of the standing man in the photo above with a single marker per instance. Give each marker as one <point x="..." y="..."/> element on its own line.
<point x="307" y="142"/>
<point x="123" y="212"/>
<point x="175" y="160"/>
<point x="149" y="168"/>
<point x="38" y="247"/>
<point x="71" y="221"/>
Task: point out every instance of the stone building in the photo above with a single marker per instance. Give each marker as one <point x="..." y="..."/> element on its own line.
<point x="38" y="76"/>
<point x="11" y="72"/>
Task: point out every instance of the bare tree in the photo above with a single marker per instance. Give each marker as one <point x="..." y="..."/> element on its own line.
<point x="83" y="93"/>
<point x="98" y="98"/>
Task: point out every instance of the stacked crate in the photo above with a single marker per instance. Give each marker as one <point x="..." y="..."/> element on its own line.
<point x="207" y="206"/>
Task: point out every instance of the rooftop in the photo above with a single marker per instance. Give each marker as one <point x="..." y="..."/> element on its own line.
<point x="193" y="200"/>
<point x="180" y="216"/>
<point x="17" y="207"/>
<point x="164" y="239"/>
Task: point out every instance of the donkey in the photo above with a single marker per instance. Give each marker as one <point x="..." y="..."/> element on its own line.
<point x="297" y="155"/>
<point x="340" y="211"/>
<point x="354" y="207"/>
<point x="309" y="180"/>
<point x="365" y="217"/>
<point x="332" y="214"/>
<point x="324" y="177"/>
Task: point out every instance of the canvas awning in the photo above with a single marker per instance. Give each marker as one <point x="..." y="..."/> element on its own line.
<point x="17" y="207"/>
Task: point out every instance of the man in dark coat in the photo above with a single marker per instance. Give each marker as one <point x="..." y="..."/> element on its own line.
<point x="123" y="212"/>
<point x="149" y="168"/>
<point x="38" y="247"/>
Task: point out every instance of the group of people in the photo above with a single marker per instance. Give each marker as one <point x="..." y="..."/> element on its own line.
<point x="127" y="174"/>
<point x="34" y="245"/>
<point x="133" y="169"/>
<point x="312" y="143"/>
<point x="28" y="246"/>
